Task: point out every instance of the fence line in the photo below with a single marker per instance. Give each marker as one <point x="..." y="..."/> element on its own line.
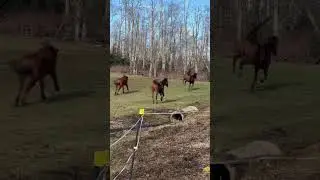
<point x="125" y="134"/>
<point x="169" y="113"/>
<point x="135" y="148"/>
<point x="124" y="167"/>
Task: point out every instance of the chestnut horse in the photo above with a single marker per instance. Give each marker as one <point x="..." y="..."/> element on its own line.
<point x="158" y="88"/>
<point x="35" y="66"/>
<point x="189" y="77"/>
<point x="120" y="83"/>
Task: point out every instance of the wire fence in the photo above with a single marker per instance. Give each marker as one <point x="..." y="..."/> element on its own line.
<point x="138" y="135"/>
<point x="135" y="148"/>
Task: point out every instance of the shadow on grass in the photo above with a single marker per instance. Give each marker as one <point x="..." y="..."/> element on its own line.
<point x="126" y="92"/>
<point x="66" y="96"/>
<point x="194" y="89"/>
<point x="277" y="86"/>
<point x="131" y="92"/>
<point x="168" y="101"/>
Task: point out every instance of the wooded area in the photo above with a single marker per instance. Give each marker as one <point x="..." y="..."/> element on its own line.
<point x="66" y="19"/>
<point x="296" y="23"/>
<point x="159" y="36"/>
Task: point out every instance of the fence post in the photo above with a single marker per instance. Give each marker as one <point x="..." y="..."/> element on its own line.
<point x="141" y="112"/>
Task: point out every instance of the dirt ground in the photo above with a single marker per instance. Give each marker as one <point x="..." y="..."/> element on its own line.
<point x="179" y="150"/>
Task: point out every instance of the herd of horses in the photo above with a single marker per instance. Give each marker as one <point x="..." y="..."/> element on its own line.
<point x="32" y="68"/>
<point x="157" y="86"/>
<point x="258" y="54"/>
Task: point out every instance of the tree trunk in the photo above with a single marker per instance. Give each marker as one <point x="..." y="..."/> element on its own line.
<point x="275" y="18"/>
<point x="77" y="21"/>
<point x="67" y="8"/>
<point x="239" y="20"/>
<point x="150" y="70"/>
<point x="84" y="30"/>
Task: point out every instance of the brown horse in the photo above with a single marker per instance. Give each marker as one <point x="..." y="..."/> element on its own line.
<point x="247" y="49"/>
<point x="120" y="83"/>
<point x="189" y="77"/>
<point x="158" y="88"/>
<point x="34" y="67"/>
<point x="263" y="59"/>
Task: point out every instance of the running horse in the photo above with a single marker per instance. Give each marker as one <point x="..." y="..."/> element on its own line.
<point x="263" y="59"/>
<point x="120" y="83"/>
<point x="246" y="50"/>
<point x="158" y="88"/>
<point x="189" y="77"/>
<point x="257" y="54"/>
<point x="33" y="68"/>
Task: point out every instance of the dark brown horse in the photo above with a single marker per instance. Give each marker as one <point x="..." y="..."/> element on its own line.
<point x="247" y="49"/>
<point x="158" y="88"/>
<point x="34" y="67"/>
<point x="263" y="57"/>
<point x="189" y="77"/>
<point x="120" y="83"/>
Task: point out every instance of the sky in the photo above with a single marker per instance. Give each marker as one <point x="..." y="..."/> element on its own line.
<point x="192" y="4"/>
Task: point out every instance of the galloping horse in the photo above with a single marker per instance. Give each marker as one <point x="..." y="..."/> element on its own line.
<point x="120" y="83"/>
<point x="257" y="54"/>
<point x="247" y="49"/>
<point x="158" y="87"/>
<point x="263" y="59"/>
<point x="33" y="68"/>
<point x="189" y="77"/>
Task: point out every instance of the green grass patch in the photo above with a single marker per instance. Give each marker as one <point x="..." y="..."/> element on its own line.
<point x="62" y="134"/>
<point x="284" y="110"/>
<point x="140" y="96"/>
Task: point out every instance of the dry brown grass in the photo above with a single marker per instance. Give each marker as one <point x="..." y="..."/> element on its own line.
<point x="173" y="151"/>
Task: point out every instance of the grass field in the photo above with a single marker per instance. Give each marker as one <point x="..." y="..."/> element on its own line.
<point x="164" y="146"/>
<point x="285" y="110"/>
<point x="176" y="96"/>
<point x="53" y="139"/>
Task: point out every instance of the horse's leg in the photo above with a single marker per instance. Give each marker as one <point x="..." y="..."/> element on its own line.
<point x="127" y="87"/>
<point x="122" y="89"/>
<point x="41" y="83"/>
<point x="152" y="96"/>
<point x="162" y="95"/>
<point x="235" y="59"/>
<point x="22" y="79"/>
<point x="157" y="97"/>
<point x="256" y="70"/>
<point x="29" y="86"/>
<point x="241" y="68"/>
<point x="55" y="80"/>
<point x="115" y="91"/>
<point x="265" y="72"/>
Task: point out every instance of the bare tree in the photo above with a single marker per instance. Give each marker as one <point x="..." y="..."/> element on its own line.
<point x="160" y="36"/>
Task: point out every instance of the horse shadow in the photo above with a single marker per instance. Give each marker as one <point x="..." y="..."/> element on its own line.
<point x="194" y="89"/>
<point x="66" y="96"/>
<point x="277" y="86"/>
<point x="131" y="92"/>
<point x="169" y="100"/>
<point x="59" y="97"/>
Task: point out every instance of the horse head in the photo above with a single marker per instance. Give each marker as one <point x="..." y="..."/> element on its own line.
<point x="194" y="75"/>
<point x="164" y="82"/>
